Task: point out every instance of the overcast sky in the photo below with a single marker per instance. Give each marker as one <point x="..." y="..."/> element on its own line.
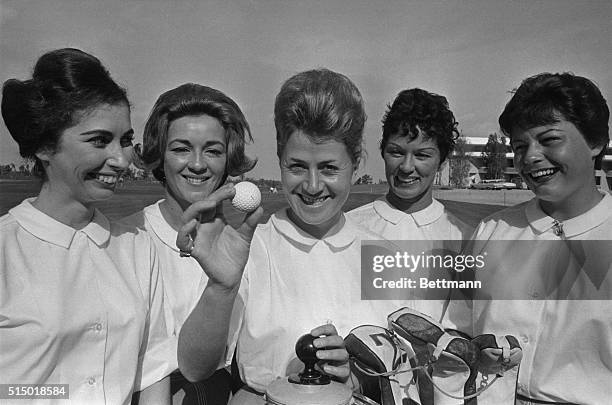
<point x="472" y="52"/>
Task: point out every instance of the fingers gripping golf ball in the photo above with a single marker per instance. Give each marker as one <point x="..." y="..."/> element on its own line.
<point x="247" y="196"/>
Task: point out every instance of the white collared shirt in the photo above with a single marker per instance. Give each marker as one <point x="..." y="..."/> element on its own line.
<point x="184" y="279"/>
<point x="567" y="344"/>
<point x="293" y="283"/>
<point x="80" y="307"/>
<point x="431" y="223"/>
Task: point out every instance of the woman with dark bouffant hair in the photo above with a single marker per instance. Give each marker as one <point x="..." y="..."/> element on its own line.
<point x="193" y="140"/>
<point x="419" y="133"/>
<point x="81" y="296"/>
<point x="551" y="284"/>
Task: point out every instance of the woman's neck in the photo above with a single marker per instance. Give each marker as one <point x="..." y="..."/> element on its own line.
<point x="569" y="208"/>
<point x="318" y="231"/>
<point x="418" y="203"/>
<point x="61" y="207"/>
<point x="172" y="211"/>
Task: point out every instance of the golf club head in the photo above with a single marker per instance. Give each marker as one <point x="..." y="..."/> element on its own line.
<point x="500" y="357"/>
<point x="453" y="359"/>
<point x="375" y="351"/>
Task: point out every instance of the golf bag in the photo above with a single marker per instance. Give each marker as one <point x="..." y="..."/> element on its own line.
<point x="383" y="365"/>
<point x="451" y="361"/>
<point x="416" y="361"/>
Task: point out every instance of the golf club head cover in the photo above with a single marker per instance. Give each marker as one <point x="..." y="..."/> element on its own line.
<point x="499" y="356"/>
<point x="453" y="359"/>
<point x="498" y="353"/>
<point x="375" y="350"/>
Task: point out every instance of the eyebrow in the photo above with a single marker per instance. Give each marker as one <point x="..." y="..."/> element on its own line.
<point x="420" y="148"/>
<point x="547" y="131"/>
<point x="323" y="162"/>
<point x="106" y="132"/>
<point x="185" y="141"/>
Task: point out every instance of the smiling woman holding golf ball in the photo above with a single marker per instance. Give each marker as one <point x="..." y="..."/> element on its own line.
<point x="194" y="138"/>
<point x="303" y="272"/>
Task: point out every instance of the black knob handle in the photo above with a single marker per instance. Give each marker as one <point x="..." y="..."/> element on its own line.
<point x="306" y="351"/>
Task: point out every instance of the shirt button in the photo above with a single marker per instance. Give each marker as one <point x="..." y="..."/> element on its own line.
<point x="91" y="381"/>
<point x="524" y="338"/>
<point x="98" y="327"/>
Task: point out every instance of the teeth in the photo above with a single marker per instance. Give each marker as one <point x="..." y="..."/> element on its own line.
<point x="540" y="173"/>
<point x="312" y="201"/>
<point x="408" y="181"/>
<point x="106" y="179"/>
<point x="193" y="180"/>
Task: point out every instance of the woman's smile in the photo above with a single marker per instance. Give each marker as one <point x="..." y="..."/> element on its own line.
<point x="317" y="178"/>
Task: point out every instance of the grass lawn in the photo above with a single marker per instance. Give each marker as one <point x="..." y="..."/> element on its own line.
<point x="133" y="196"/>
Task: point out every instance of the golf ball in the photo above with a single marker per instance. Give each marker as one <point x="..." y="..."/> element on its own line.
<point x="247" y="196"/>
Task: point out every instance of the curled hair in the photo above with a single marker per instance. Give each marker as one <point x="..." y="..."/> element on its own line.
<point x="324" y="105"/>
<point x="193" y="100"/>
<point x="417" y="111"/>
<point x="66" y="83"/>
<point x="547" y="98"/>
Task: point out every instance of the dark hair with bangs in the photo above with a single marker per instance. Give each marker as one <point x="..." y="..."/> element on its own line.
<point x="323" y="105"/>
<point x="417" y="111"/>
<point x="547" y="98"/>
<point x="193" y="100"/>
<point x="66" y="84"/>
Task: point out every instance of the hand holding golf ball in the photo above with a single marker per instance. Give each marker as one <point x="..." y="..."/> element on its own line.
<point x="247" y="198"/>
<point x="218" y="247"/>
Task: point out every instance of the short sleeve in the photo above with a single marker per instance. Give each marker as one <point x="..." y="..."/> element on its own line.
<point x="258" y="259"/>
<point x="458" y="313"/>
<point x="158" y="354"/>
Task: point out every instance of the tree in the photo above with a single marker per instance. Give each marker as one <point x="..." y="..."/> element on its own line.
<point x="459" y="164"/>
<point x="494" y="156"/>
<point x="365" y="179"/>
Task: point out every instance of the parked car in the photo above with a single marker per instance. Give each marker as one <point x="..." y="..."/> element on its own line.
<point x="495" y="184"/>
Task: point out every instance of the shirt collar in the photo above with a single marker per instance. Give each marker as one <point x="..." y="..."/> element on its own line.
<point x="51" y="230"/>
<point x="341" y="239"/>
<point x="160" y="226"/>
<point x="426" y="216"/>
<point x="541" y="222"/>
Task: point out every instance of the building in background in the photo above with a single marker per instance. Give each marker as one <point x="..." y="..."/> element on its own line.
<point x="478" y="170"/>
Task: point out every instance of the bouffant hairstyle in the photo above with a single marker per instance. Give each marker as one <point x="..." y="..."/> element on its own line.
<point x="417" y="111"/>
<point x="324" y="105"/>
<point x="547" y="98"/>
<point x="66" y="84"/>
<point x="193" y="100"/>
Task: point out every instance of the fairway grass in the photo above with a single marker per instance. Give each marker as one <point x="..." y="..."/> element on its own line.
<point x="469" y="205"/>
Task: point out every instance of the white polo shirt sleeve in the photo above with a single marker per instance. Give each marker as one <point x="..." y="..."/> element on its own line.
<point x="157" y="357"/>
<point x="256" y="255"/>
